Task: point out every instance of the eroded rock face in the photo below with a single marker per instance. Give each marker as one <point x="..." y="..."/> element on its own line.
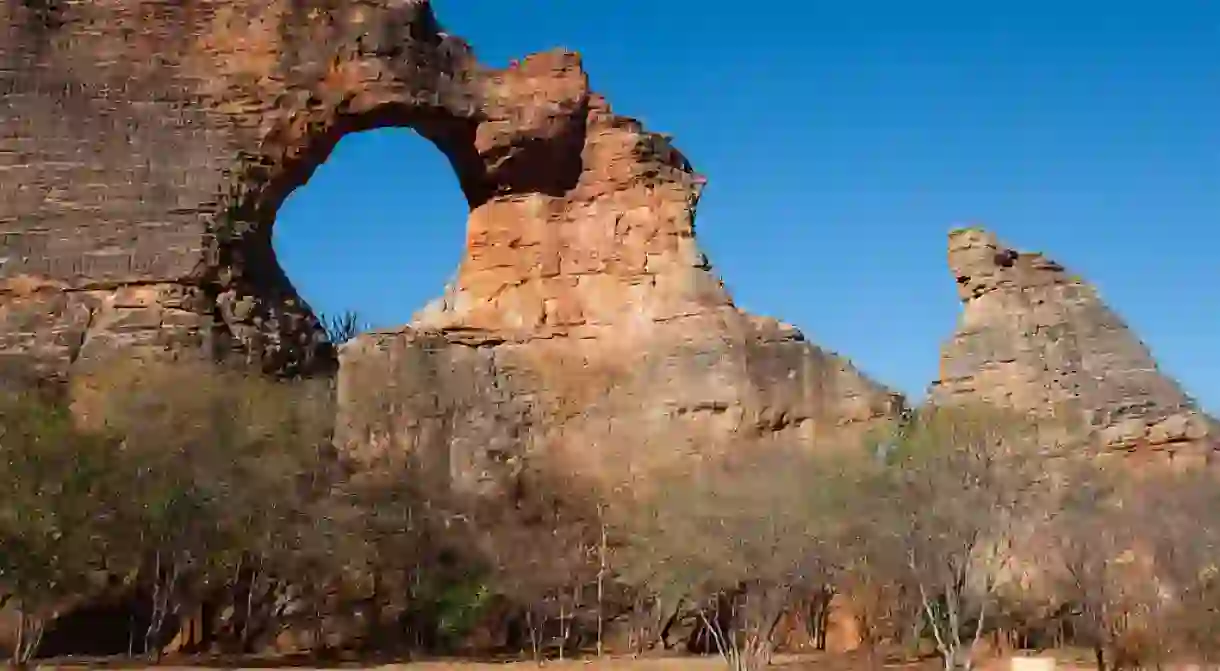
<point x="148" y="145"/>
<point x="1034" y="337"/>
<point x="586" y="325"/>
<point x="626" y="401"/>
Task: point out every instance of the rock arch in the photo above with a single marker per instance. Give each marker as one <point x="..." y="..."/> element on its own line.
<point x="211" y="112"/>
<point x="376" y="230"/>
<point x="147" y="145"/>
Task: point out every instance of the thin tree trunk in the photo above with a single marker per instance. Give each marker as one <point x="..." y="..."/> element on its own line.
<point x="978" y="631"/>
<point x="824" y="622"/>
<point x="713" y="632"/>
<point x="235" y="587"/>
<point x="245" y="625"/>
<point x="952" y="603"/>
<point x="535" y="644"/>
<point x="131" y="633"/>
<point x="819" y="616"/>
<point x="601" y="573"/>
<point x="563" y="630"/>
<point x="20" y="637"/>
<point x="319" y="630"/>
<point x="669" y="621"/>
<point x="941" y="645"/>
<point x="29" y="638"/>
<point x="40" y="628"/>
<point x="169" y="603"/>
<point x="149" y="632"/>
<point x="635" y="633"/>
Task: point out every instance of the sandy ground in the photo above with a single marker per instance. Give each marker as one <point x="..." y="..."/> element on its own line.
<point x="584" y="665"/>
<point x="781" y="663"/>
<point x="673" y="664"/>
<point x="810" y="662"/>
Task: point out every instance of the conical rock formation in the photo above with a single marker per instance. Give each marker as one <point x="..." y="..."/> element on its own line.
<point x="1034" y="337"/>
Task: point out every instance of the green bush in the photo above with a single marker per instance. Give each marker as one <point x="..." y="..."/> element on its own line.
<point x="61" y="511"/>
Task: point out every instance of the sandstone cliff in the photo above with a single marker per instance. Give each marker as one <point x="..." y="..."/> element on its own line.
<point x="586" y="324"/>
<point x="146" y="148"/>
<point x="1035" y="337"/>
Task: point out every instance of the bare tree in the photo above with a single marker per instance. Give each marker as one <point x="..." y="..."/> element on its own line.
<point x="1094" y="546"/>
<point x="650" y="614"/>
<point x="736" y="541"/>
<point x="1179" y="524"/>
<point x="872" y="578"/>
<point x="946" y="497"/>
<point x="540" y="553"/>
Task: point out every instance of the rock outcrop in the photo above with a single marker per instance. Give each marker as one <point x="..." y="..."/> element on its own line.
<point x="147" y="146"/>
<point x="585" y="324"/>
<point x="1036" y="338"/>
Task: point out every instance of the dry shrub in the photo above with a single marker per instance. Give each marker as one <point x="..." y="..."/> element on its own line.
<point x="221" y="470"/>
<point x="942" y="504"/>
<point x="736" y="540"/>
<point x="1179" y="523"/>
<point x="1131" y="552"/>
<point x="59" y="518"/>
<point x="1096" y="559"/>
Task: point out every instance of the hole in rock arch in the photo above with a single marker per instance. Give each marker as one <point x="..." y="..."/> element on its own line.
<point x="378" y="229"/>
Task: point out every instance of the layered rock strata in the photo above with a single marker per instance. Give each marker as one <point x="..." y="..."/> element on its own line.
<point x="147" y="146"/>
<point x="1035" y="337"/>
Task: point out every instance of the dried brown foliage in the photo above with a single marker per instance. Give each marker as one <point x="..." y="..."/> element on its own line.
<point x="1097" y="558"/>
<point x="737" y="540"/>
<point x="943" y="502"/>
<point x="195" y="484"/>
<point x="1133" y="554"/>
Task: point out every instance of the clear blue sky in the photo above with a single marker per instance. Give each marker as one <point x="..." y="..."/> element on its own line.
<point x="842" y="140"/>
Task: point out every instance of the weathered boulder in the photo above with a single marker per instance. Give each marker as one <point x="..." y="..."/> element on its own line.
<point x="1035" y="337"/>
